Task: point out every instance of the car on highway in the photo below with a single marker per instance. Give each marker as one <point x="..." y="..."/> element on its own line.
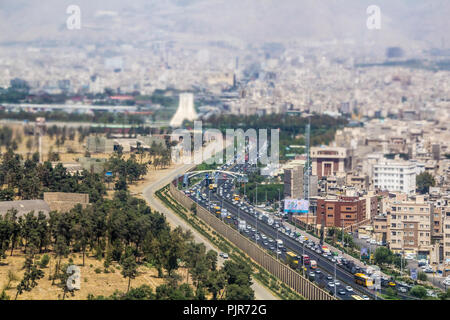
<point x="349" y="289"/>
<point x="342" y="292"/>
<point x="329" y="277"/>
<point x="318" y="271"/>
<point x="330" y="284"/>
<point x="402" y="289"/>
<point x="365" y="297"/>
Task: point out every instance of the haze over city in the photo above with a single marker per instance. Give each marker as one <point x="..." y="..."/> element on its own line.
<point x="117" y="183"/>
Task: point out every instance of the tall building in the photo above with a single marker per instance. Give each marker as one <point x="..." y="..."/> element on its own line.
<point x="410" y="227"/>
<point x="328" y="161"/>
<point x="293" y="183"/>
<point x="395" y="177"/>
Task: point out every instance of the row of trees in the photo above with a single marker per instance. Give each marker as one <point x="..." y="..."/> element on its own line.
<point x="122" y="230"/>
<point x="29" y="179"/>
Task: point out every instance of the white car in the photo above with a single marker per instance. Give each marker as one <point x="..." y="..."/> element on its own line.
<point x="349" y="289"/>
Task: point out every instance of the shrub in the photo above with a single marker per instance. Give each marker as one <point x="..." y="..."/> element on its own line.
<point x="98" y="270"/>
<point x="44" y="261"/>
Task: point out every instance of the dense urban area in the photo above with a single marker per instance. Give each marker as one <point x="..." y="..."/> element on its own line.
<point x="95" y="203"/>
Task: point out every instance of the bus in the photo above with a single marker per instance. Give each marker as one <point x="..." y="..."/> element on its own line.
<point x="305" y="259"/>
<point x="356" y="297"/>
<point x="363" y="280"/>
<point x="292" y="259"/>
<point x="313" y="264"/>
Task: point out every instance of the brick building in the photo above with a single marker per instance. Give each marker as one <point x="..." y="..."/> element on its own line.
<point x="343" y="211"/>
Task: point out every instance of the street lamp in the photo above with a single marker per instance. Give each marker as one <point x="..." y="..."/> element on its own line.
<point x="209" y="204"/>
<point x="335" y="279"/>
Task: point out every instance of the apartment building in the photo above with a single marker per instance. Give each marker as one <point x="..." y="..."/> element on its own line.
<point x="410" y="227"/>
<point x="395" y="176"/>
<point x="343" y="211"/>
<point x="380" y="227"/>
<point x="446" y="234"/>
<point x="327" y="161"/>
<point x="293" y="182"/>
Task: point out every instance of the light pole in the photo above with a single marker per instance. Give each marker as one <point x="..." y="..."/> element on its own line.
<point x="335" y="279"/>
<point x="303" y="260"/>
<point x="276" y="241"/>
<point x="209" y="204"/>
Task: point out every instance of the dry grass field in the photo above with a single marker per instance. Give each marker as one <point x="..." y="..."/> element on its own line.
<point x="91" y="282"/>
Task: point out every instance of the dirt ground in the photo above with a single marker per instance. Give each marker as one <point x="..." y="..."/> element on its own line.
<point x="91" y="282"/>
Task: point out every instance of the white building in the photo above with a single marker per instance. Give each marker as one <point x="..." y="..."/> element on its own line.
<point x="395" y="176"/>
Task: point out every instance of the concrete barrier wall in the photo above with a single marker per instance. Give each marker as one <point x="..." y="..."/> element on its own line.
<point x="293" y="279"/>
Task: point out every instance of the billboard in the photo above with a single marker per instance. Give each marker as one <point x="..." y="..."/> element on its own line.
<point x="413" y="274"/>
<point x="296" y="206"/>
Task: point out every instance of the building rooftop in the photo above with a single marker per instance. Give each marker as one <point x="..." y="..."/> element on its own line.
<point x="25" y="206"/>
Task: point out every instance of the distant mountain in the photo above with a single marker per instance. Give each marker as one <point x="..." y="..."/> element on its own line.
<point x="404" y="22"/>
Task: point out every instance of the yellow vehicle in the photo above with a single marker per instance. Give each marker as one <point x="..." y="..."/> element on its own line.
<point x="236" y="197"/>
<point x="213" y="186"/>
<point x="363" y="280"/>
<point x="356" y="297"/>
<point x="292" y="259"/>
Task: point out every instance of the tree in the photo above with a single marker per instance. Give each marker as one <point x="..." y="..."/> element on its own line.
<point x="31" y="275"/>
<point x="383" y="256"/>
<point x="445" y="295"/>
<point x="422" y="276"/>
<point x="419" y="292"/>
<point x="424" y="181"/>
<point x="236" y="292"/>
<point x="129" y="266"/>
<point x="61" y="250"/>
<point x="390" y="292"/>
<point x="215" y="282"/>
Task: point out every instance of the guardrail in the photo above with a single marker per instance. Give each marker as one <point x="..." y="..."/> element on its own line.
<point x="293" y="279"/>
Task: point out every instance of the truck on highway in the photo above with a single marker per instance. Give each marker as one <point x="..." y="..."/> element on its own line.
<point x="224" y="213"/>
<point x="279" y="243"/>
<point x="242" y="225"/>
<point x="270" y="221"/>
<point x="313" y="264"/>
<point x="291" y="259"/>
<point x="305" y="259"/>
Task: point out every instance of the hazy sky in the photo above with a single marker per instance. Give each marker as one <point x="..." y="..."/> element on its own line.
<point x="403" y="21"/>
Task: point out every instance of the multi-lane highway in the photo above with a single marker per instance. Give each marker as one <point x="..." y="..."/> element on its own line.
<point x="330" y="270"/>
<point x="258" y="229"/>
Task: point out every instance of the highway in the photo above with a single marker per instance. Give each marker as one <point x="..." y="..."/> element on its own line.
<point x="261" y="292"/>
<point x="326" y="267"/>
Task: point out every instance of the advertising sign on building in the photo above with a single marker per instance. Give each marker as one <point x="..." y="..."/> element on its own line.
<point x="296" y="206"/>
